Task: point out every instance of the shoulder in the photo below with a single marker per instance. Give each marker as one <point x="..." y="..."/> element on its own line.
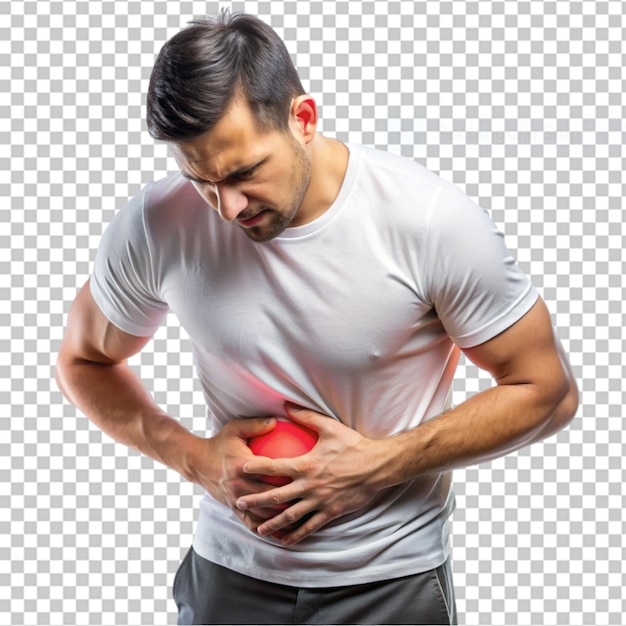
<point x="404" y="180"/>
<point x="390" y="165"/>
<point x="158" y="198"/>
<point x="164" y="198"/>
<point x="400" y="190"/>
<point x="164" y="218"/>
<point x="163" y="209"/>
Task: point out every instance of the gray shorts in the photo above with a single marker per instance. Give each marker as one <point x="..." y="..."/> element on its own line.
<point x="206" y="593"/>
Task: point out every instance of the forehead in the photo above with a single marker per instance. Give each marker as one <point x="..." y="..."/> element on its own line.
<point x="233" y="143"/>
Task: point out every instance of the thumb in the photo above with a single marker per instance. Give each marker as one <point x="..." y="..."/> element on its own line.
<point x="306" y="417"/>
<point x="252" y="427"/>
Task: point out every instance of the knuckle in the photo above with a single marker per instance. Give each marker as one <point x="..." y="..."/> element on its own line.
<point x="310" y="527"/>
<point x="334" y="510"/>
<point x="308" y="467"/>
<point x="270" y="469"/>
<point x="291" y="517"/>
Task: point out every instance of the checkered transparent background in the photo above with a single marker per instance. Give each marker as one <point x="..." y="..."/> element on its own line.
<point x="520" y="103"/>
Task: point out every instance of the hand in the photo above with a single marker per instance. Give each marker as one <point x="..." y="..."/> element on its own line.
<point x="219" y="468"/>
<point x="340" y="475"/>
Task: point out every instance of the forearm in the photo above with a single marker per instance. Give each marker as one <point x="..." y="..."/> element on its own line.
<point x="488" y="425"/>
<point x="116" y="401"/>
<point x="534" y="397"/>
<point x="345" y="470"/>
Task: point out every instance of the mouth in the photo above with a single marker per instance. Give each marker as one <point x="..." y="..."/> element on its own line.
<point x="252" y="221"/>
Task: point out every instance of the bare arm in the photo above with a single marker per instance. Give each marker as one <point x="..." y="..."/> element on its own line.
<point x="535" y="397"/>
<point x="93" y="374"/>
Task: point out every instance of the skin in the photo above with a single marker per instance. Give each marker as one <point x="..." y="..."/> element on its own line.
<point x="535" y="397"/>
<point x="535" y="394"/>
<point x="286" y="179"/>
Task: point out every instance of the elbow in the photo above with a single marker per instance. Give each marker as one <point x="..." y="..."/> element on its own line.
<point x="570" y="402"/>
<point x="565" y="402"/>
<point x="60" y="375"/>
<point x="63" y="374"/>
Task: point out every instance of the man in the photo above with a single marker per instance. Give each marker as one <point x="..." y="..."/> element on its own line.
<point x="327" y="284"/>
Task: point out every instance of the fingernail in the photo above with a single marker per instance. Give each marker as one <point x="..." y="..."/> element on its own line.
<point x="241" y="505"/>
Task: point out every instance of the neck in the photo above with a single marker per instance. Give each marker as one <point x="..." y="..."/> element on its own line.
<point x="329" y="161"/>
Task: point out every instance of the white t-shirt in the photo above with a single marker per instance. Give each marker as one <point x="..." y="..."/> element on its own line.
<point x="358" y="315"/>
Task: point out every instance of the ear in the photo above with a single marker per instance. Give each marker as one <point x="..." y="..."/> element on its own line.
<point x="303" y="118"/>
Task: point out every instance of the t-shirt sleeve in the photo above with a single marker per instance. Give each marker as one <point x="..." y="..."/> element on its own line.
<point x="471" y="278"/>
<point x="123" y="283"/>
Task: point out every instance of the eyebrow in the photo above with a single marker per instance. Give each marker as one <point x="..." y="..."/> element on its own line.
<point x="234" y="174"/>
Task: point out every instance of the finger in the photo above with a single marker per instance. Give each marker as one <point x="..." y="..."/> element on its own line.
<point x="268" y="512"/>
<point x="298" y="513"/>
<point x="265" y="466"/>
<point x="283" y="532"/>
<point x="246" y="428"/>
<point x="253" y="518"/>
<point x="307" y="417"/>
<point x="248" y="520"/>
<point x="273" y="498"/>
<point x="265" y="512"/>
<point x="296" y="531"/>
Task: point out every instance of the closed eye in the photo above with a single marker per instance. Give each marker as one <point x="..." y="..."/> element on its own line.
<point x="247" y="174"/>
<point x="243" y="175"/>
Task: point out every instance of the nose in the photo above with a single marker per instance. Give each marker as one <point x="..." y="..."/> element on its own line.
<point x="230" y="201"/>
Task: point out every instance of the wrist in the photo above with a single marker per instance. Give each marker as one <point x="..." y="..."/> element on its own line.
<point x="176" y="447"/>
<point x="192" y="456"/>
<point x="383" y="460"/>
<point x="396" y="459"/>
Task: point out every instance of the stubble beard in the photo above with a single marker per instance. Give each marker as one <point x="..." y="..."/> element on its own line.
<point x="280" y="220"/>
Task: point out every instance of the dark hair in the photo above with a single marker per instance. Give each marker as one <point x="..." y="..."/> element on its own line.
<point x="202" y="68"/>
